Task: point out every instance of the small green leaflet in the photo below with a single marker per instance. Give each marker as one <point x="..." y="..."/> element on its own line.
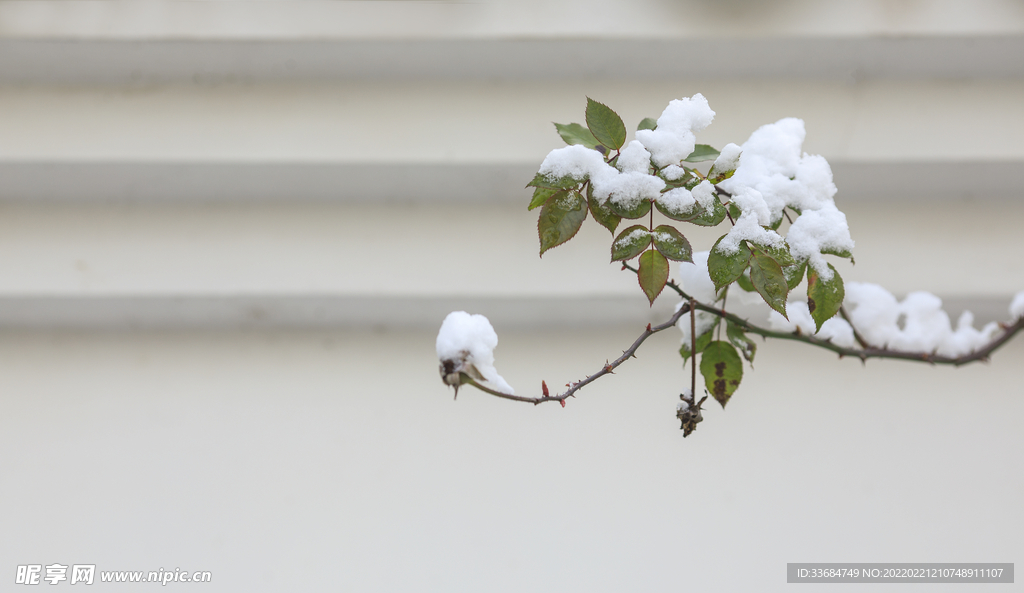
<point x="652" y="274"/>
<point x="647" y="123"/>
<point x="630" y="243"/>
<point x="824" y="297"/>
<point x="702" y="152"/>
<point x="794" y="274"/>
<point x="768" y="280"/>
<point x="560" y="220"/>
<point x="714" y="218"/>
<point x="722" y="370"/>
<point x="605" y="125"/>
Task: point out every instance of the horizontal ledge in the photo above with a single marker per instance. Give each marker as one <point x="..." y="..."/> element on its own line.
<point x="134" y="62"/>
<point x="383" y="312"/>
<point x="117" y="182"/>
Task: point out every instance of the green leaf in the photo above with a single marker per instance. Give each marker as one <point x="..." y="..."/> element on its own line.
<point x="769" y="281"/>
<point x="602" y="213"/>
<point x="722" y="370"/>
<point x="824" y="297"/>
<point x="541" y="195"/>
<point x="631" y="243"/>
<point x="652" y="274"/>
<point x="672" y="244"/>
<point x="641" y="209"/>
<point x="702" y="342"/>
<point x="647" y="123"/>
<point x="605" y="124"/>
<point x="745" y="283"/>
<point x="840" y="252"/>
<point x="780" y="254"/>
<point x="746" y="346"/>
<point x="794" y="274"/>
<point x="554" y="182"/>
<point x="724" y="268"/>
<point x="705" y="218"/>
<point x="560" y="220"/>
<point x="702" y="152"/>
<point x="576" y="134"/>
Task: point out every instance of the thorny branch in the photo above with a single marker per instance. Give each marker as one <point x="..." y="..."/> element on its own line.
<point x="863" y="353"/>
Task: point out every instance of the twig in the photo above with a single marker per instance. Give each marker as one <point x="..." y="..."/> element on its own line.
<point x="606" y="369"/>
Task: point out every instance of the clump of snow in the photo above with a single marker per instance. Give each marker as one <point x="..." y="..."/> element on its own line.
<point x="674" y="139"/>
<point x="748" y="229"/>
<point x="1017" y="306"/>
<point x="468" y="342"/>
<point x="774" y="173"/>
<point x="728" y="159"/>
<point x="577" y="162"/>
<point x="816" y="230"/>
<point x="678" y="201"/>
<point x="673" y="172"/>
<point x="877" y="314"/>
<point x="626" y="190"/>
<point x="695" y="281"/>
<point x="704" y="193"/>
<point x="835" y="330"/>
<point x="634" y="158"/>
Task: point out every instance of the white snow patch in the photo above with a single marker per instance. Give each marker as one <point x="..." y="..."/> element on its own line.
<point x="728" y="159"/>
<point x="835" y="330"/>
<point x="1017" y="306"/>
<point x="673" y="172"/>
<point x="678" y="201"/>
<point x="634" y="158"/>
<point x="704" y="193"/>
<point x="577" y="162"/>
<point x="469" y="341"/>
<point x="675" y="139"/>
<point x="926" y="328"/>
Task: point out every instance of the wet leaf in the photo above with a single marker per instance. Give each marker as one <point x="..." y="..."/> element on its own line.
<point x="769" y="281"/>
<point x="541" y="195"/>
<point x="725" y="268"/>
<point x="722" y="370"/>
<point x="566" y="182"/>
<point x="672" y="244"/>
<point x="737" y="338"/>
<point x="631" y="243"/>
<point x="647" y="123"/>
<point x="642" y="208"/>
<point x="560" y="220"/>
<point x="602" y="213"/>
<point x="824" y="297"/>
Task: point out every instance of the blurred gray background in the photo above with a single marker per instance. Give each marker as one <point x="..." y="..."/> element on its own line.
<point x="230" y="230"/>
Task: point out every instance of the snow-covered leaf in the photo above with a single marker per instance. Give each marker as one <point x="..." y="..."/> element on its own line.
<point x="672" y="244"/>
<point x="602" y="212"/>
<point x="560" y="220"/>
<point x="567" y="182"/>
<point x="794" y="274"/>
<point x="642" y="208"/>
<point x="630" y="243"/>
<point x="605" y="125"/>
<point x="725" y="268"/>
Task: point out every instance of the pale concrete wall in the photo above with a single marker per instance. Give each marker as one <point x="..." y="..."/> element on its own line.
<point x="229" y="232"/>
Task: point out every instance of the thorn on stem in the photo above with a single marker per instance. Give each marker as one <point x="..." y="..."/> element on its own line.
<point x="544" y="389"/>
<point x="648" y="327"/>
<point x="562" y="401"/>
